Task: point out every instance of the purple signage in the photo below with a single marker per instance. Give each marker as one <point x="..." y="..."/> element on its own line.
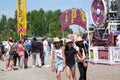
<point x="98" y="12"/>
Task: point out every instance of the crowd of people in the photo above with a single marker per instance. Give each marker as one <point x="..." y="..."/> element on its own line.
<point x="64" y="55"/>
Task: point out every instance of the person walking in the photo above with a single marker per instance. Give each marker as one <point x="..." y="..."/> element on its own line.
<point x="41" y="52"/>
<point x="70" y="54"/>
<point x="58" y="58"/>
<point x="81" y="56"/>
<point x="86" y="41"/>
<point x="46" y="52"/>
<point x="16" y="52"/>
<point x="35" y="46"/>
<point x="21" y="53"/>
<point x="2" y="51"/>
<point x="9" y="55"/>
<point x="27" y="45"/>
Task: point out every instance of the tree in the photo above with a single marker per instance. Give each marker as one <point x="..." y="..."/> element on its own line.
<point x="12" y="27"/>
<point x="3" y="22"/>
<point x="39" y="23"/>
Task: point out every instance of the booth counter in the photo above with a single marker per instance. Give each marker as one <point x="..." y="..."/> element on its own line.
<point x="104" y="55"/>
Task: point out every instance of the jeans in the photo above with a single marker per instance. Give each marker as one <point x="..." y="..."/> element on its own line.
<point x="46" y="57"/>
<point x="36" y="55"/>
<point x="21" y="61"/>
<point x="82" y="71"/>
<point x="15" y="59"/>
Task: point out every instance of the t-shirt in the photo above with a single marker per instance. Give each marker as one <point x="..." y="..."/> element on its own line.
<point x="70" y="56"/>
<point x="21" y="50"/>
<point x="35" y="46"/>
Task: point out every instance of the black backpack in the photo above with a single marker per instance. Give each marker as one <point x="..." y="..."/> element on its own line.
<point x="12" y="49"/>
<point x="3" y="49"/>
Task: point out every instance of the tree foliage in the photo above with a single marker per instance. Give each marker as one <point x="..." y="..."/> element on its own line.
<point x="39" y="23"/>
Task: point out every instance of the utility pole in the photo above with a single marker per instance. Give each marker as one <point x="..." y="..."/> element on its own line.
<point x="49" y="30"/>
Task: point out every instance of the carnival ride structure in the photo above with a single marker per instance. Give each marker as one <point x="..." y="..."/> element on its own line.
<point x="105" y="15"/>
<point x="21" y="19"/>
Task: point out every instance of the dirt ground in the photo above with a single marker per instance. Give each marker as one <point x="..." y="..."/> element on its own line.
<point x="94" y="72"/>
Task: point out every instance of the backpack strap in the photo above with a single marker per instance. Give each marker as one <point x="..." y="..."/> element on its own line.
<point x="86" y="51"/>
<point x="10" y="45"/>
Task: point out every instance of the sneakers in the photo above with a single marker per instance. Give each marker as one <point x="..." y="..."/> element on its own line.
<point x="36" y="66"/>
<point x="33" y="66"/>
<point x="47" y="66"/>
<point x="2" y="69"/>
<point x="25" y="67"/>
<point x="39" y="66"/>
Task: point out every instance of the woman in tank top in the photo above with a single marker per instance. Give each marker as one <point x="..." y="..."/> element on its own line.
<point x="58" y="58"/>
<point x="82" y="58"/>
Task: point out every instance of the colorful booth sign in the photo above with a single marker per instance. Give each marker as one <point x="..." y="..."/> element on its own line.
<point x="73" y="16"/>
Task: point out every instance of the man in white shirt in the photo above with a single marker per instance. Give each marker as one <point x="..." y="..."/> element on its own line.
<point x="46" y="52"/>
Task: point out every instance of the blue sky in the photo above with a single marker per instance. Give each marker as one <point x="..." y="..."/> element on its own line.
<point x="8" y="7"/>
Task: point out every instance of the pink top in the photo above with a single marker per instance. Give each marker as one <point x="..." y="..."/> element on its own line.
<point x="21" y="50"/>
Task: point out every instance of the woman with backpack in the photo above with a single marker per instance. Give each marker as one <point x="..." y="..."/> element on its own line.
<point x="9" y="54"/>
<point x="27" y="46"/>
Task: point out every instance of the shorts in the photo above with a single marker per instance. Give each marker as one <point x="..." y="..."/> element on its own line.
<point x="11" y="56"/>
<point x="8" y="56"/>
<point x="70" y="65"/>
<point x="26" y="55"/>
<point x="59" y="67"/>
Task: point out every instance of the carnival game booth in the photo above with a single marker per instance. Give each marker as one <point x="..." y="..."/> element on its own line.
<point x="105" y="55"/>
<point x="103" y="48"/>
